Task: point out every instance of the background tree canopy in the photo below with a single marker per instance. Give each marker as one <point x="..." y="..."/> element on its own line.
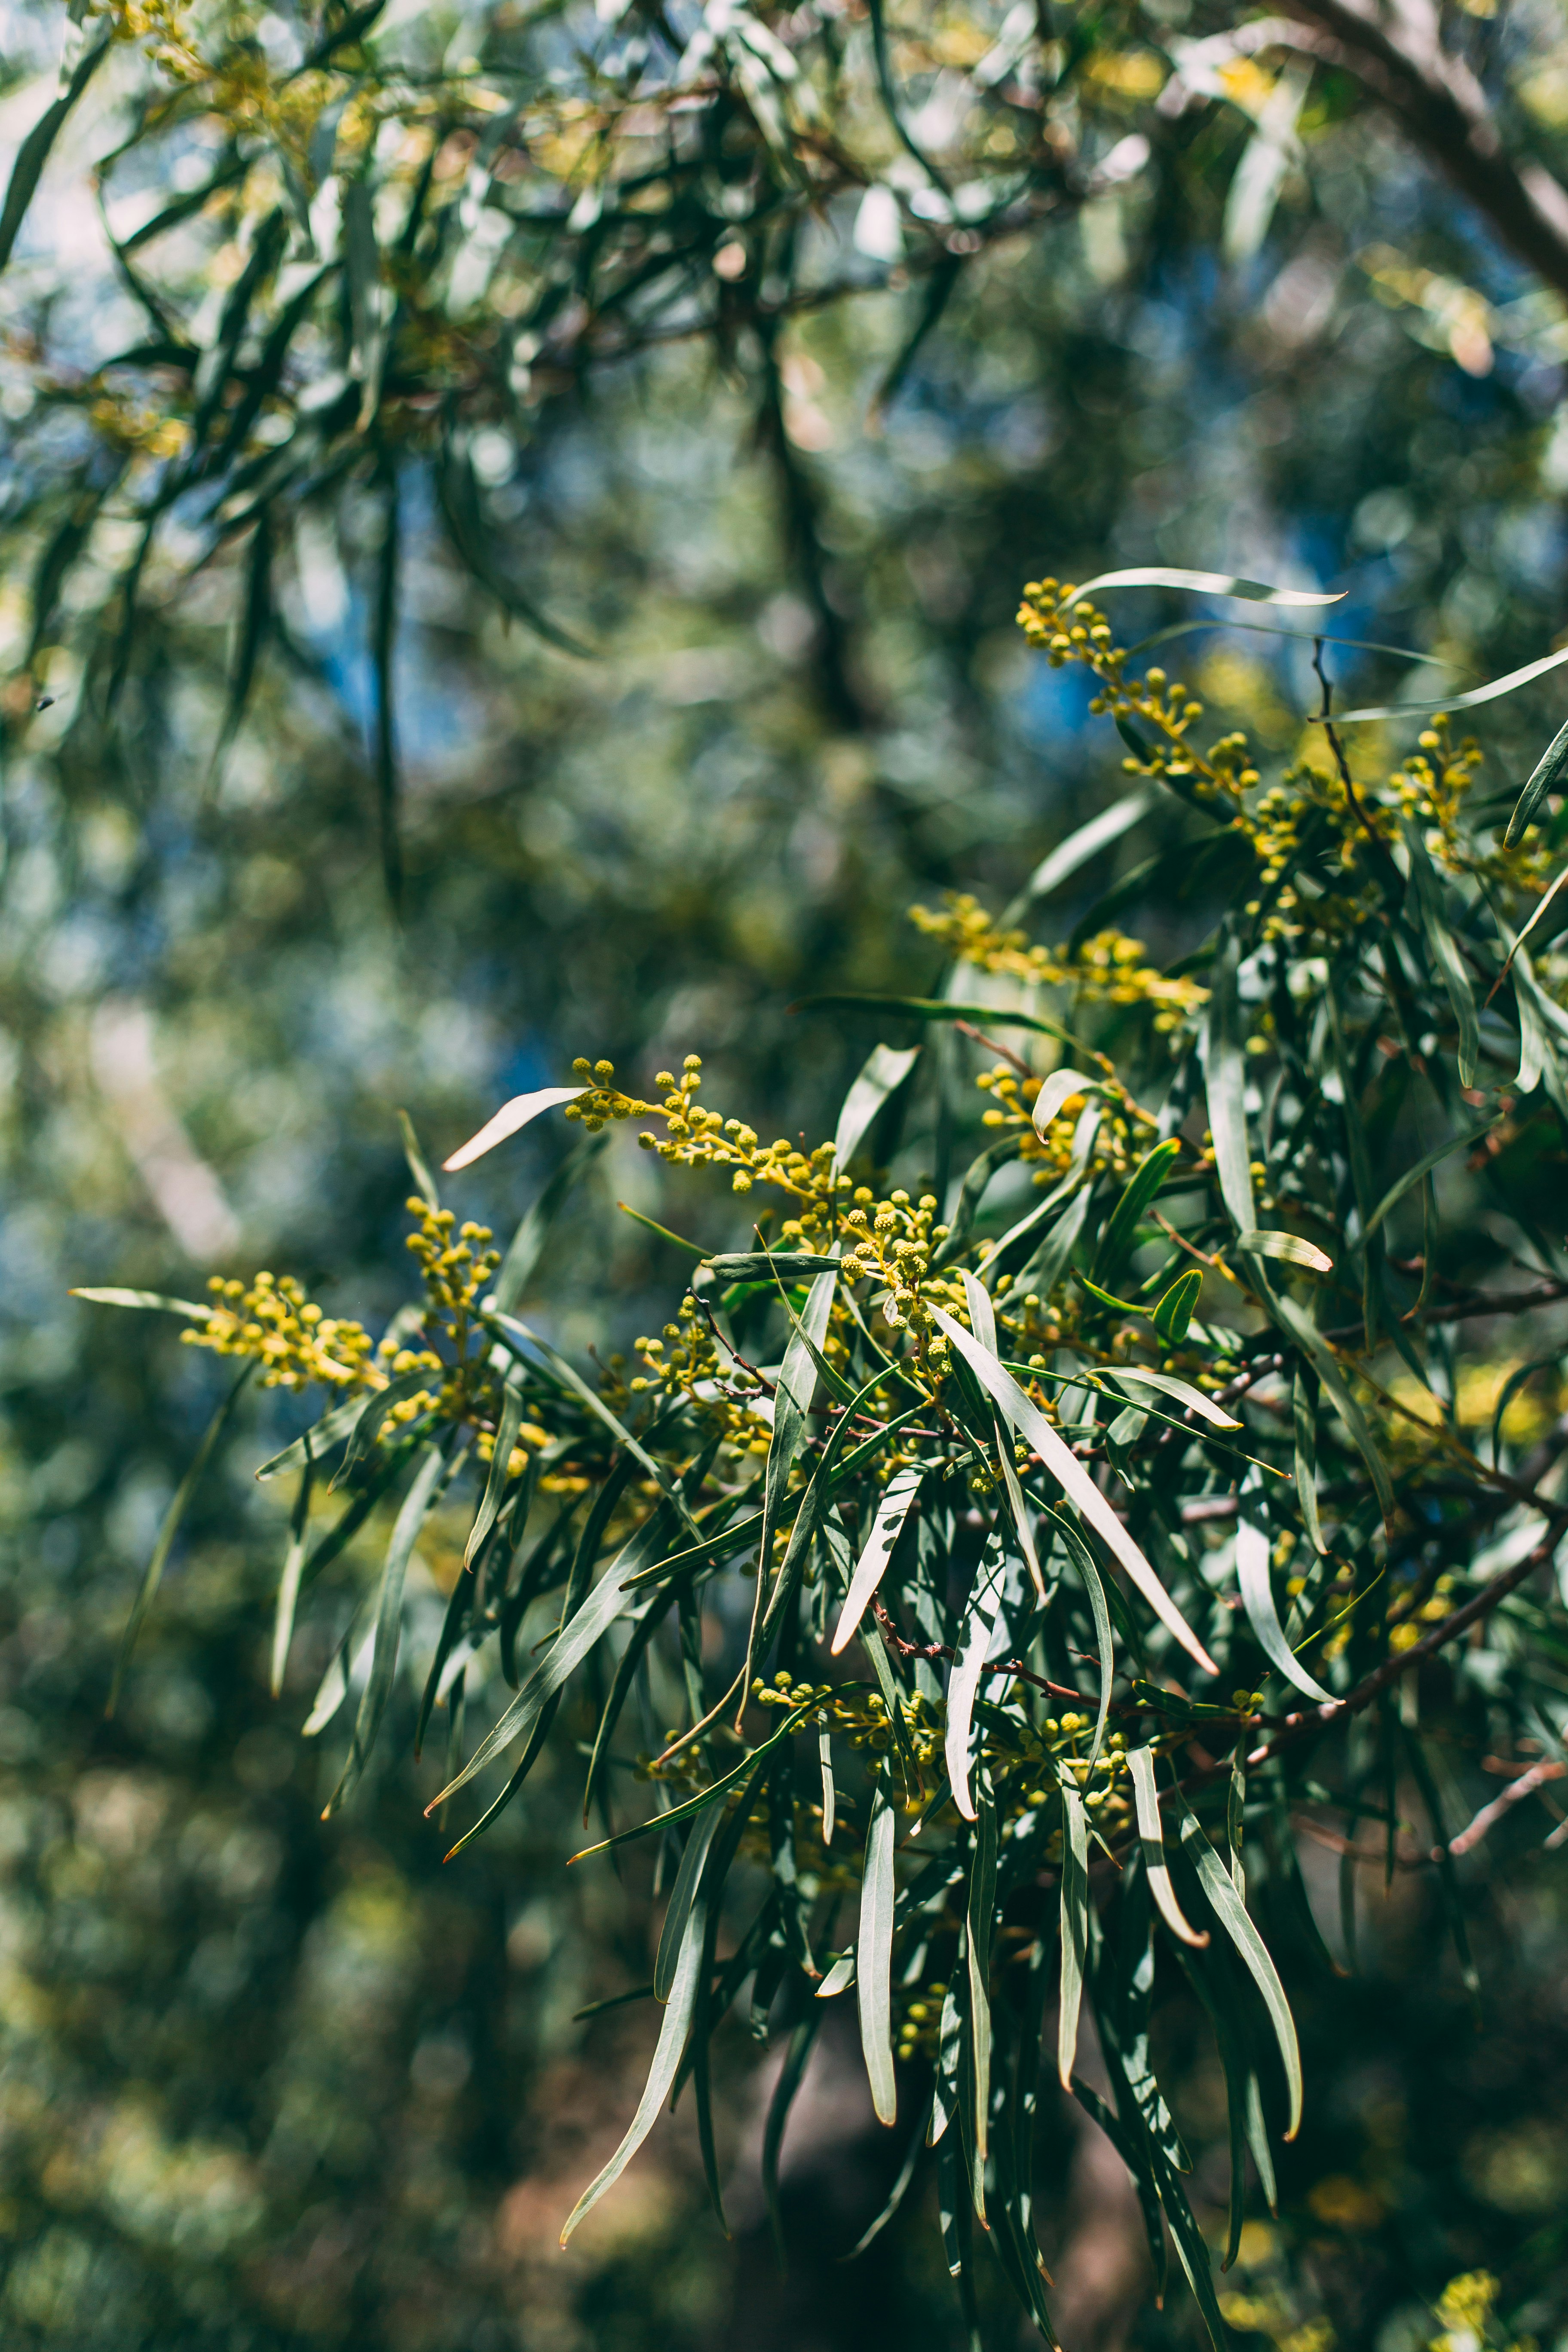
<point x="514" y="521"/>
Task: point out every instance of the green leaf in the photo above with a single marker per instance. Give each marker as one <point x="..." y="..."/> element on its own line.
<point x="152" y="1299"/>
<point x="527" y="1245"/>
<point x="511" y="1332"/>
<point x="388" y="1625"/>
<point x="419" y="1166"/>
<point x="1075" y="1481"/>
<point x="1201" y="583"/>
<point x="1059" y="864"/>
<point x="167" y="1532"/>
<point x="1175" y="1308"/>
<point x="1224" y="1074"/>
<point x="1252" y="1549"/>
<point x="682" y="1895"/>
<point x="1544" y="778"/>
<point x="1074" y="1926"/>
<point x="288" y="1582"/>
<point x="893" y="1508"/>
<point x="767" y="1266"/>
<point x="938" y="1008"/>
<point x="510" y="1120"/>
<point x="792" y="2074"/>
<point x="978" y="1913"/>
<point x="1288" y="1247"/>
<point x="1231" y="1911"/>
<point x="1493" y="692"/>
<point x="317" y="1440"/>
<point x="692" y="1806"/>
<point x="34" y="151"/>
<point x="978" y="1624"/>
<point x="1151" y="1837"/>
<point x="885" y="1070"/>
<point x="507" y="1426"/>
<point x="1305" y="1332"/>
<point x="370" y="1418"/>
<point x="1445" y="953"/>
<point x="1137" y="1376"/>
<point x="1424" y="1167"/>
<point x="1304" y="1421"/>
<point x="679" y="2010"/>
<point x="874" y="1953"/>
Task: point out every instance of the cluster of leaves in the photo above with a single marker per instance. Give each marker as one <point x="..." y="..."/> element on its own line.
<point x="1259" y="1480"/>
<point x="368" y="253"/>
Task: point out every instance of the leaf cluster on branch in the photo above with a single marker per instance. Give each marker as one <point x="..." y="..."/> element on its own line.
<point x="984" y="1578"/>
<point x="354" y="257"/>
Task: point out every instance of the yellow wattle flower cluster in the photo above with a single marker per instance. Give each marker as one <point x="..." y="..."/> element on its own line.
<point x="273" y="1322"/>
<point x="1109" y="969"/>
<point x="696" y="1137"/>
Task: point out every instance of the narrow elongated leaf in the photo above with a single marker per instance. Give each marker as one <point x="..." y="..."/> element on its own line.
<point x="1175" y="1310"/>
<point x="682" y="1897"/>
<point x="1423" y="1167"/>
<point x="693" y="1806"/>
<point x="1074" y="1926"/>
<point x="1544" y="778"/>
<point x="1444" y="951"/>
<point x="1232" y="1913"/>
<point x="178" y="1506"/>
<point x="288" y="1582"/>
<point x="1136" y="1376"/>
<point x="885" y="1070"/>
<point x="767" y="1266"/>
<point x="977" y="1960"/>
<point x="34" y="151"/>
<point x="317" y="1440"/>
<point x="1257" y="1599"/>
<point x="792" y="2074"/>
<point x="679" y="2010"/>
<point x="1288" y="1247"/>
<point x="898" y="1498"/>
<point x="419" y="1166"/>
<point x="1074" y="1482"/>
<point x="370" y="1417"/>
<point x="974" y="1641"/>
<point x="1059" y="864"/>
<point x="388" y="1625"/>
<point x="1493" y="692"/>
<point x="527" y="1245"/>
<point x="1304" y="1421"/>
<point x="1058" y="1089"/>
<point x="874" y="1954"/>
<point x="1116" y="1242"/>
<point x="1204" y="584"/>
<point x="510" y="1120"/>
<point x="507" y="1426"/>
<point x="1152" y="1836"/>
<point x="1305" y="1332"/>
<point x="153" y="1299"/>
<point x="608" y="1600"/>
<point x="1224" y="1075"/>
<point x="941" y="1008"/>
<point x="511" y="1332"/>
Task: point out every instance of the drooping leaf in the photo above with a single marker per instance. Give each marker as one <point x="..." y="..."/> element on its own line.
<point x="1074" y="1482"/>
<point x="1231" y="1911"/>
<point x="1152" y="1836"/>
<point x="179" y="1505"/>
<point x="874" y="1953"/>
<point x="892" y="1511"/>
<point x="885" y="1070"/>
<point x="388" y="1623"/>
